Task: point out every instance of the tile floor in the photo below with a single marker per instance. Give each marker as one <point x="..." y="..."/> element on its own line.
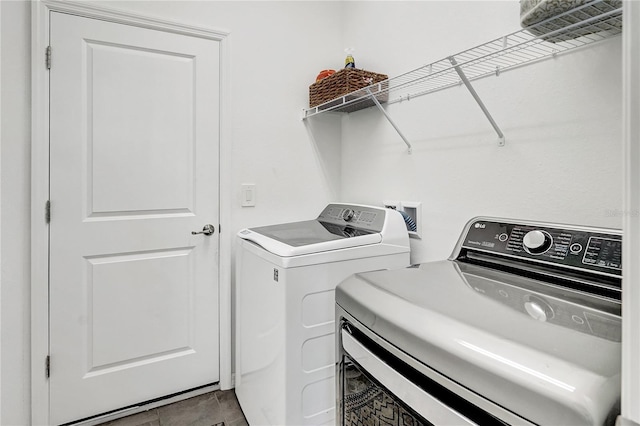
<point x="219" y="408"/>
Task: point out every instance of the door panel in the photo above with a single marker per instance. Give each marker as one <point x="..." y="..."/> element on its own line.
<point x="129" y="282"/>
<point x="134" y="169"/>
<point x="162" y="138"/>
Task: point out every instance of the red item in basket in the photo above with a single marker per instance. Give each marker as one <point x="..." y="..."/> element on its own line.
<point x="324" y="73"/>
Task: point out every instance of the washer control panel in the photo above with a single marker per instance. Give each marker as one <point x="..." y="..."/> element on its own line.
<point x="582" y="248"/>
<point x="362" y="217"/>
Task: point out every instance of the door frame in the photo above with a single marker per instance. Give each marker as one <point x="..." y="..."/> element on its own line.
<point x="630" y="412"/>
<point x="40" y="183"/>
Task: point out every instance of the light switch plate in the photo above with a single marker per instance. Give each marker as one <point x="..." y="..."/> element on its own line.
<point x="248" y="195"/>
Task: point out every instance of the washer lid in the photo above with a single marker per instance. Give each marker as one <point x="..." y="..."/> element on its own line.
<point x="338" y="226"/>
<point x="307" y="237"/>
<point x="562" y="370"/>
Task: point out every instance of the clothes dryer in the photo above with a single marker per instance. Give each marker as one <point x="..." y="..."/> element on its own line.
<point x="286" y="276"/>
<point x="521" y="326"/>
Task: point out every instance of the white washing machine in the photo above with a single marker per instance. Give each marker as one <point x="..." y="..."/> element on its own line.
<point x="286" y="276"/>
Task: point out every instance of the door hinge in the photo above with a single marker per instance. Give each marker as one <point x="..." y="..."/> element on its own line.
<point x="47" y="211"/>
<point x="47" y="366"/>
<point x="48" y="57"/>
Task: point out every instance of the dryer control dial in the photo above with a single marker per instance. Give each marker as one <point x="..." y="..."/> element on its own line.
<point x="537" y="242"/>
<point x="347" y="215"/>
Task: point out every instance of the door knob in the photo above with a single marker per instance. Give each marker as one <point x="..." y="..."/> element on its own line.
<point x="206" y="230"/>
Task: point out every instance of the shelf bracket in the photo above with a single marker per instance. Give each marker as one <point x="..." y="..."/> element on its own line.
<point x="484" y="109"/>
<point x="375" y="100"/>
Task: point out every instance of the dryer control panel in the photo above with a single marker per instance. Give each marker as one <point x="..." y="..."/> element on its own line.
<point x="591" y="249"/>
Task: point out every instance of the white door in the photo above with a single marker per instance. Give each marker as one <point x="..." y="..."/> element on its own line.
<point x="134" y="169"/>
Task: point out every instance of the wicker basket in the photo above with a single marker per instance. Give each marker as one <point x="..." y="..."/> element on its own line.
<point x="342" y="83"/>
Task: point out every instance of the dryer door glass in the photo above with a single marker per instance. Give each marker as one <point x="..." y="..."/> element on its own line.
<point x="365" y="402"/>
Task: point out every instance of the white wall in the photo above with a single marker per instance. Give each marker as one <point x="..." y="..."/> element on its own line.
<point x="15" y="190"/>
<point x="277" y="49"/>
<point x="0" y="215"/>
<point x="561" y="118"/>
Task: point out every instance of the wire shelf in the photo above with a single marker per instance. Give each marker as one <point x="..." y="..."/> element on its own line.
<point x="590" y="23"/>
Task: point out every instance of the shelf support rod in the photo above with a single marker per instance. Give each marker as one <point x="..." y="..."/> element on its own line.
<point x="473" y="92"/>
<point x="375" y="100"/>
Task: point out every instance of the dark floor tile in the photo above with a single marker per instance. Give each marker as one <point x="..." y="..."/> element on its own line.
<point x="147" y="418"/>
<point x="229" y="405"/>
<point x="238" y="422"/>
<point x="203" y="410"/>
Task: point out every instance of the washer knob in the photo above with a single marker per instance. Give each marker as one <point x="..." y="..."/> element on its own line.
<point x="537" y="242"/>
<point x="347" y="215"/>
